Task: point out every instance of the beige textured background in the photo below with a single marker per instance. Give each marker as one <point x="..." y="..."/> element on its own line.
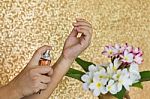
<point x="26" y="25"/>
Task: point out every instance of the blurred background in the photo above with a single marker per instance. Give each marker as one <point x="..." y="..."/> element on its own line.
<point x="25" y="25"/>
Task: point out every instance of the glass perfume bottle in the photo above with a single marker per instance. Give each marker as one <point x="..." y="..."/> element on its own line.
<point x="45" y="59"/>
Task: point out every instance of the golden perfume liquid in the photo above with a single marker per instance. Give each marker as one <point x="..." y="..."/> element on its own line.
<point x="45" y="59"/>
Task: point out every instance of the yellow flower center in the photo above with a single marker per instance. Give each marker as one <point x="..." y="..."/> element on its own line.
<point x="109" y="87"/>
<point x="110" y="52"/>
<point x="98" y="85"/>
<point x="118" y="76"/>
<point x="101" y="76"/>
<point x="126" y="58"/>
<point x="114" y="68"/>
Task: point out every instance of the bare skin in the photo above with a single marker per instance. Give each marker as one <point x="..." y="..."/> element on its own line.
<point x="31" y="79"/>
<point x="72" y="48"/>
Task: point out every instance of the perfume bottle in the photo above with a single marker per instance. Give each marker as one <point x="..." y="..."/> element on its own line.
<point x="45" y="59"/>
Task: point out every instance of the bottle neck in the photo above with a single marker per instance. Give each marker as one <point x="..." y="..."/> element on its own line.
<point x="46" y="55"/>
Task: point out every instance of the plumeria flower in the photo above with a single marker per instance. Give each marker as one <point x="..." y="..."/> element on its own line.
<point x="134" y="68"/>
<point x="122" y="78"/>
<point x="93" y="68"/>
<point x="137" y="51"/>
<point x="109" y="51"/>
<point x="112" y="68"/>
<point x="101" y="79"/>
<point x="112" y="87"/>
<point x="127" y="47"/>
<point x="138" y="59"/>
<point x="134" y="72"/>
<point x="101" y="75"/>
<point x="87" y="79"/>
<point x="119" y="49"/>
<point x="127" y="57"/>
<point x="98" y="87"/>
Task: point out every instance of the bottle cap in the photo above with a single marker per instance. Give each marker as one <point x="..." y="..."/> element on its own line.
<point x="46" y="55"/>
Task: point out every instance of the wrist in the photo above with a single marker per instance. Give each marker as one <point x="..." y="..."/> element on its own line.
<point x="67" y="58"/>
<point x="63" y="62"/>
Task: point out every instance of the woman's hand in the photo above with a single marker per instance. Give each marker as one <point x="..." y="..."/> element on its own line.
<point x="32" y="79"/>
<point x="74" y="45"/>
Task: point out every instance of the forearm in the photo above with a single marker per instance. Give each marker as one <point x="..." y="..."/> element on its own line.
<point x="9" y="92"/>
<point x="60" y="69"/>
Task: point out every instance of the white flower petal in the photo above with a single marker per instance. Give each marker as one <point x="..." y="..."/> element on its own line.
<point x="134" y="68"/>
<point x="114" y="89"/>
<point x="85" y="78"/>
<point x="110" y="82"/>
<point x="96" y="92"/>
<point x="117" y="46"/>
<point x="92" y="68"/>
<point x="117" y="63"/>
<point x="130" y="57"/>
<point x="135" y="77"/>
<point x="127" y="87"/>
<point x="85" y="86"/>
<point x="126" y="53"/>
<point x="92" y="86"/>
<point x="103" y="90"/>
<point x="119" y="87"/>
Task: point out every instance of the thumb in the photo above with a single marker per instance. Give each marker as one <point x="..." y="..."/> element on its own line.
<point x="37" y="55"/>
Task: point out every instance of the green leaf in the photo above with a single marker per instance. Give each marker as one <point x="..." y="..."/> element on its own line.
<point x="84" y="64"/>
<point x="76" y="74"/>
<point x="120" y="94"/>
<point x="138" y="85"/>
<point x="145" y="76"/>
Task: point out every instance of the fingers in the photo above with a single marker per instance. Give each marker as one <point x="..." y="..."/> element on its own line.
<point x="85" y="37"/>
<point x="84" y="31"/>
<point x="41" y="70"/>
<point x="37" y="75"/>
<point x="82" y="22"/>
<point x="42" y="86"/>
<point x="39" y="87"/>
<point x="83" y="26"/>
<point x="39" y="79"/>
<point x="37" y="55"/>
<point x="44" y="79"/>
<point x="51" y="72"/>
<point x="73" y="33"/>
